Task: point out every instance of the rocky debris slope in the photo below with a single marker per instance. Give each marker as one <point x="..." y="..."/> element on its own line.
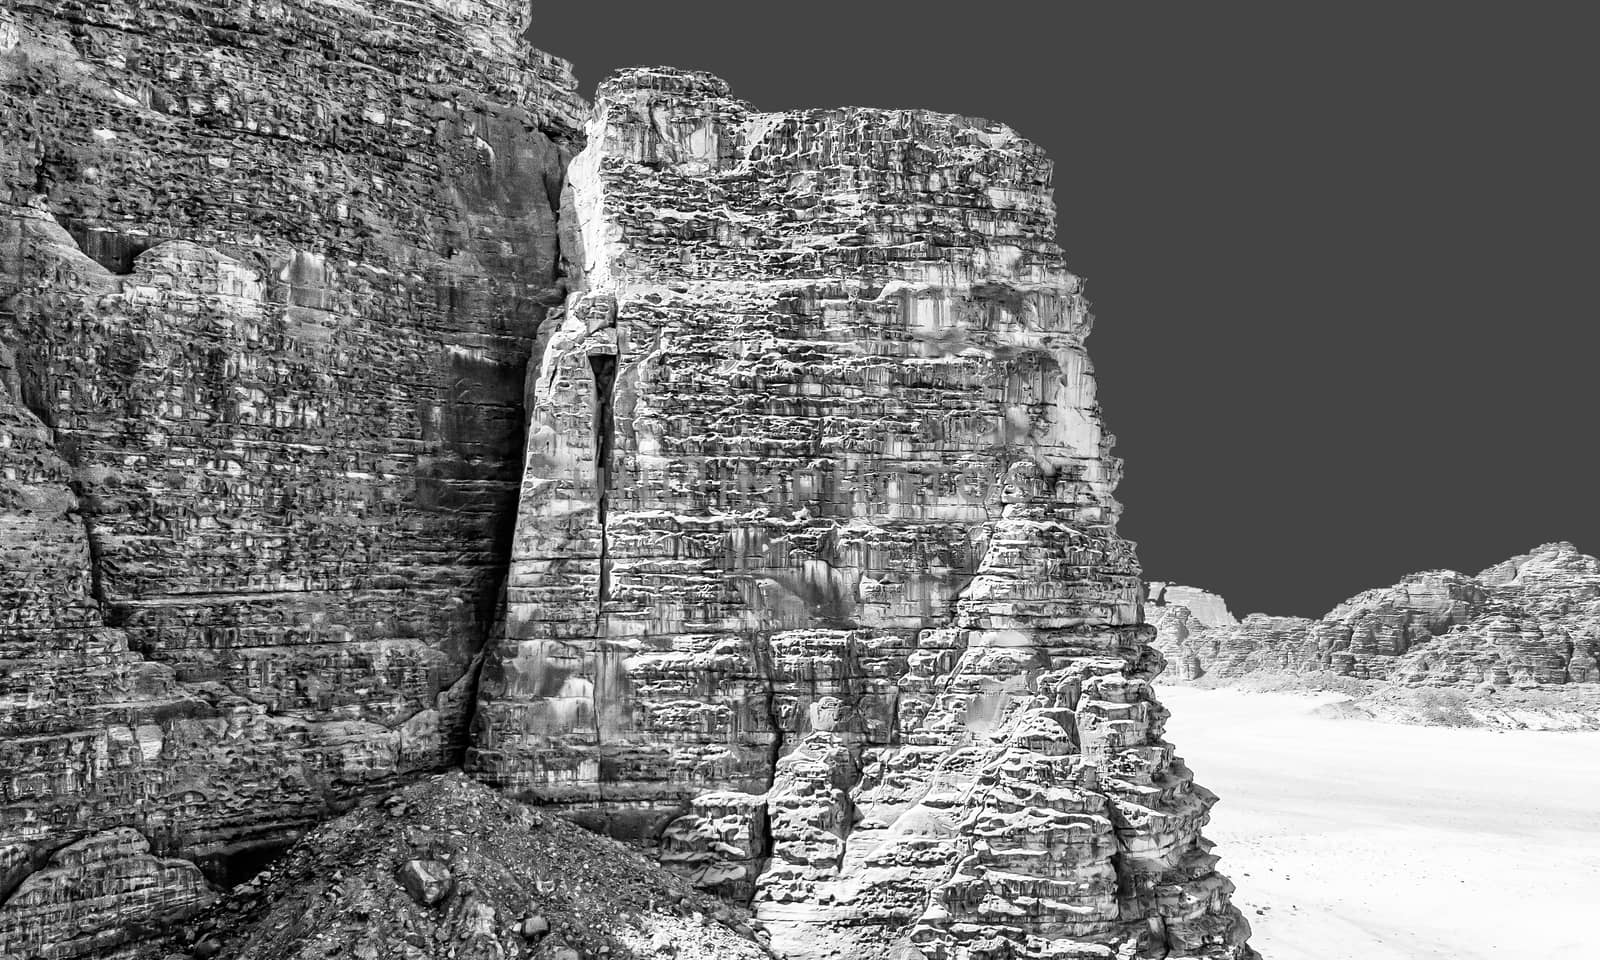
<point x="448" y="868"/>
<point x="1517" y="644"/>
<point x="816" y="581"/>
<point x="270" y="275"/>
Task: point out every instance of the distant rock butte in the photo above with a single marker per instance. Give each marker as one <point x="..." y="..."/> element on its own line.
<point x="1204" y="605"/>
<point x="735" y="485"/>
<point x="1531" y="623"/>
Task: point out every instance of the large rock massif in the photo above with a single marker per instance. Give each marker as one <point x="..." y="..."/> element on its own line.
<point x="736" y="486"/>
<point x="270" y="275"/>
<point x="1529" y="626"/>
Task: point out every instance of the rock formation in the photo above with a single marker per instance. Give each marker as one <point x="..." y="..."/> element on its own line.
<point x="735" y="485"/>
<point x="818" y="505"/>
<point x="270" y="274"/>
<point x="1530" y="623"/>
<point x="1205" y="606"/>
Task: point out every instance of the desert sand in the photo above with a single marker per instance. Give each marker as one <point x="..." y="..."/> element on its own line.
<point x="1378" y="841"/>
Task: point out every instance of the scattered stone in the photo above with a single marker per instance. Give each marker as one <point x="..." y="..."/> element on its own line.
<point x="428" y="881"/>
<point x="343" y="890"/>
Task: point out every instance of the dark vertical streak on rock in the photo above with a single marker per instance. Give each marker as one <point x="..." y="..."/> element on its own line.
<point x="604" y="367"/>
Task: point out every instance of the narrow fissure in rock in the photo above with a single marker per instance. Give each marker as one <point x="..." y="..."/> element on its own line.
<point x="604" y="368"/>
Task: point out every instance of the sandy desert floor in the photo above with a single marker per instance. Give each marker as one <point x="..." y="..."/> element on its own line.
<point x="1358" y="839"/>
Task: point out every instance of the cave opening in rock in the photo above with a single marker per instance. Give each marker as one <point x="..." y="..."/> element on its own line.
<point x="230" y="868"/>
<point x="112" y="249"/>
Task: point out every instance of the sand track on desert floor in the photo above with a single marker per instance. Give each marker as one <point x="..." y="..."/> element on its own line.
<point x="1358" y="839"/>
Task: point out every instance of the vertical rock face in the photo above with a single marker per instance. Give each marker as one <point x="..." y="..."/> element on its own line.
<point x="270" y="275"/>
<point x="815" y="574"/>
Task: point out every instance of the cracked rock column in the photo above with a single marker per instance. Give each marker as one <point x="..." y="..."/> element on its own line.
<point x="840" y="538"/>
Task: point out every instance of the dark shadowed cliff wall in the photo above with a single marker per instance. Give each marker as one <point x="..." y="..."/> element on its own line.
<point x="270" y="274"/>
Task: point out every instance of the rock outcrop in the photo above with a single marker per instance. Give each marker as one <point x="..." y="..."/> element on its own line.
<point x="270" y="276"/>
<point x="1531" y="623"/>
<point x="735" y="485"/>
<point x="1205" y="606"/>
<point x="818" y="507"/>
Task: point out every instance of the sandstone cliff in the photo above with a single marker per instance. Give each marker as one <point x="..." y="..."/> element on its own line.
<point x="817" y="538"/>
<point x="735" y="485"/>
<point x="270" y="274"/>
<point x="1519" y="639"/>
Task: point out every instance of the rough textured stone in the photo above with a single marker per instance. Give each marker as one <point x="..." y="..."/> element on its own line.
<point x="1531" y="623"/>
<point x="787" y="544"/>
<point x="96" y="896"/>
<point x="427" y="881"/>
<point x="270" y="274"/>
<point x="818" y="507"/>
<point x="1207" y="607"/>
<point x="525" y="885"/>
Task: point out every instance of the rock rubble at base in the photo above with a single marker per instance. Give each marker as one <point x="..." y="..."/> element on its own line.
<point x="447" y="868"/>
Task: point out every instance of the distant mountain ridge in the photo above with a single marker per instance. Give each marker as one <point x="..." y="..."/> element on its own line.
<point x="1529" y="626"/>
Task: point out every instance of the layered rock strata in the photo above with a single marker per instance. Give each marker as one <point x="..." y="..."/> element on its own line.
<point x="270" y="275"/>
<point x="786" y="544"/>
<point x="815" y="577"/>
<point x="1530" y="622"/>
<point x="1205" y="606"/>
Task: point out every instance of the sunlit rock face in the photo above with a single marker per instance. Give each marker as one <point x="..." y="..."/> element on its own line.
<point x="1539" y="626"/>
<point x="817" y="511"/>
<point x="1206" y="607"/>
<point x="270" y="276"/>
<point x="1531" y="622"/>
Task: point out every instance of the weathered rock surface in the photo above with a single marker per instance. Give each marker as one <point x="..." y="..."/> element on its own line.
<point x="1530" y="624"/>
<point x="786" y="545"/>
<point x="270" y="274"/>
<point x="1207" y="607"/>
<point x="818" y="509"/>
<point x="450" y="868"/>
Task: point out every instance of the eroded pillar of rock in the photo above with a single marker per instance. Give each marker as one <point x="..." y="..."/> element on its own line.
<point x="818" y="508"/>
